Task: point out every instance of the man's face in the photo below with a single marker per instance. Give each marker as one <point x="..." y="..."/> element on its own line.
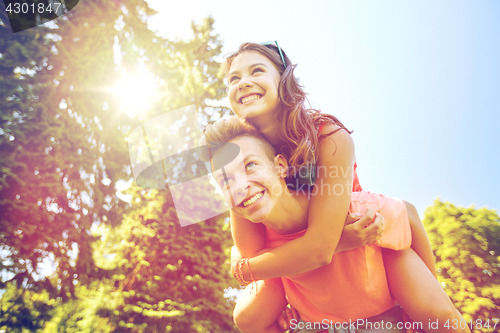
<point x="252" y="183"/>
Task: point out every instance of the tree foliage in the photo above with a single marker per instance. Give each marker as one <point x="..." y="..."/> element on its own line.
<point x="24" y="309"/>
<point x="118" y="266"/>
<point x="167" y="279"/>
<point x="466" y="243"/>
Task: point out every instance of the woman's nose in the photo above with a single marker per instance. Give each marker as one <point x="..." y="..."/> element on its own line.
<point x="245" y="82"/>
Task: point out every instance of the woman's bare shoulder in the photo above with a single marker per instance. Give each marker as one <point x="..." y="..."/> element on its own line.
<point x="335" y="139"/>
<point x="330" y="128"/>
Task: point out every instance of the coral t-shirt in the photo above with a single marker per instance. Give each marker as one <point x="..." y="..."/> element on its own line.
<point x="354" y="285"/>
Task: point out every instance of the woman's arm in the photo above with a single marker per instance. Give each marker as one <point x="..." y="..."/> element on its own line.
<point x="359" y="230"/>
<point x="327" y="212"/>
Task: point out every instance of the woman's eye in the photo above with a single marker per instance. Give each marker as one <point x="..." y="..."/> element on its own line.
<point x="233" y="78"/>
<point x="250" y="165"/>
<point x="258" y="70"/>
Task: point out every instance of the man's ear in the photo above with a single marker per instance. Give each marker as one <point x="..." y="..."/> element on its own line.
<point x="281" y="164"/>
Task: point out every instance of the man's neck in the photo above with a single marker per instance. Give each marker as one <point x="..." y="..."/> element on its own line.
<point x="290" y="214"/>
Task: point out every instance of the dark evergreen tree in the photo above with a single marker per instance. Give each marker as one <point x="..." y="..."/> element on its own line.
<point x="63" y="148"/>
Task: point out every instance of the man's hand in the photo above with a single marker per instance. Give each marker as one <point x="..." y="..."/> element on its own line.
<point x="286" y="316"/>
<point x="360" y="230"/>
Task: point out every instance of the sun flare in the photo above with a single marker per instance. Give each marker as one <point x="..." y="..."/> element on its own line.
<point x="136" y="92"/>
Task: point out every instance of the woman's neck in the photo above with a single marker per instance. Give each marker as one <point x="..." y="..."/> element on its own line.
<point x="269" y="128"/>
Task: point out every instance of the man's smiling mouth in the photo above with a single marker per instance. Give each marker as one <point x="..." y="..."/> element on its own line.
<point x="252" y="97"/>
<point x="252" y="199"/>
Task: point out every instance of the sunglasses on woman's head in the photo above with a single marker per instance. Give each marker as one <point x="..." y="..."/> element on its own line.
<point x="279" y="50"/>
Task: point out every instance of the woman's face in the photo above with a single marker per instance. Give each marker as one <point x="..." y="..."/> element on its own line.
<point x="253" y="87"/>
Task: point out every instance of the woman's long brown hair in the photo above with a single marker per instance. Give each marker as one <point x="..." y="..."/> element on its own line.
<point x="298" y="125"/>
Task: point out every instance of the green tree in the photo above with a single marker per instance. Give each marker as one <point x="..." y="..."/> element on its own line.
<point x="169" y="278"/>
<point x="61" y="142"/>
<point x="466" y="243"/>
<point x="24" y="309"/>
<point x="63" y="149"/>
<point x="82" y="313"/>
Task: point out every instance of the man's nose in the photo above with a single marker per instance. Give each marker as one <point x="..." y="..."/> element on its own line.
<point x="240" y="189"/>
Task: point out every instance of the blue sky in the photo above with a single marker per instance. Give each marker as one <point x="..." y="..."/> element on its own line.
<point x="418" y="82"/>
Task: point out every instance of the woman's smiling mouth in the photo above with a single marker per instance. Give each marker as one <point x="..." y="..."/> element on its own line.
<point x="249" y="98"/>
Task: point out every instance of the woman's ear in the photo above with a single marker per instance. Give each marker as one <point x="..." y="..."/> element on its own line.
<point x="281" y="164"/>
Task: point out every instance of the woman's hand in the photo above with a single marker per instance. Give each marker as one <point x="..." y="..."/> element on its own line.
<point x="361" y="230"/>
<point x="286" y="316"/>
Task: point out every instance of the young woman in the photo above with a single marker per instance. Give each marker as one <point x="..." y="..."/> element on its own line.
<point x="264" y="92"/>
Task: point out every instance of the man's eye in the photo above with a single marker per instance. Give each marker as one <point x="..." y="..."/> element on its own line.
<point x="226" y="181"/>
<point x="250" y="165"/>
